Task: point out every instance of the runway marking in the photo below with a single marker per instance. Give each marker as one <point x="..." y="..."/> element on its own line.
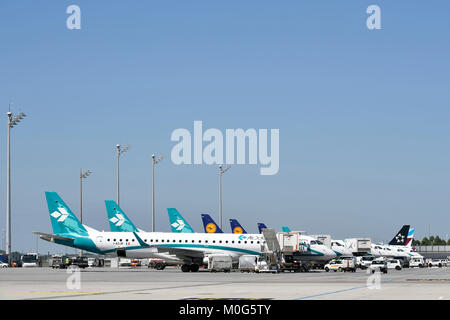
<point x="130" y="291"/>
<point x="51" y="291"/>
<point x="338" y="291"/>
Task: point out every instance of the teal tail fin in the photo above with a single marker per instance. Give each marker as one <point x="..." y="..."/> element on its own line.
<point x="177" y="222"/>
<point x="286" y="229"/>
<point x="118" y="220"/>
<point x="64" y="221"/>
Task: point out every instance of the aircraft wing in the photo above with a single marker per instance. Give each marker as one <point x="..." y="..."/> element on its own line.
<point x="181" y="253"/>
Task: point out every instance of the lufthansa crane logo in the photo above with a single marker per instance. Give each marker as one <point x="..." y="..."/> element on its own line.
<point x="238" y="230"/>
<point x="211" y="228"/>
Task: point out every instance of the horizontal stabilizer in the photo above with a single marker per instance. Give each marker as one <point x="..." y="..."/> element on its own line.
<point x="52" y="237"/>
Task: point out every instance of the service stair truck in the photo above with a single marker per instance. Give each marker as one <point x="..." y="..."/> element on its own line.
<point x="270" y="252"/>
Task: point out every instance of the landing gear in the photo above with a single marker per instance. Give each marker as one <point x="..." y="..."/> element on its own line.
<point x="194" y="267"/>
<point x="185" y="268"/>
<point x="190" y="267"/>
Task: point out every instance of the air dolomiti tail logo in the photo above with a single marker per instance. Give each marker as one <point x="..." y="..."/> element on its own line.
<point x="118" y="220"/>
<point x="61" y="214"/>
<point x="240" y="146"/>
<point x="178" y="225"/>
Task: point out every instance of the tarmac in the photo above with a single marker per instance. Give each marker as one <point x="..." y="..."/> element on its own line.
<point x="172" y="284"/>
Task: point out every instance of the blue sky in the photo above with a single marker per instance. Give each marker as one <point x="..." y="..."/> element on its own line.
<point x="363" y="115"/>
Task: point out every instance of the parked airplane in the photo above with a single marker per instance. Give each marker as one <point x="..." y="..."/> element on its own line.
<point x="236" y="227"/>
<point x="118" y="220"/>
<point x="177" y="223"/>
<point x="402" y="242"/>
<point x="338" y="246"/>
<point x="210" y="225"/>
<point x="190" y="249"/>
<point x="261" y="226"/>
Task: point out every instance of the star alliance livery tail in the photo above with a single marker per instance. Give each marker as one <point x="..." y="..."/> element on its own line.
<point x="401" y="237"/>
<point x="177" y="222"/>
<point x="410" y="237"/>
<point x="209" y="224"/>
<point x="236" y="226"/>
<point x="261" y="226"/>
<point x="118" y="220"/>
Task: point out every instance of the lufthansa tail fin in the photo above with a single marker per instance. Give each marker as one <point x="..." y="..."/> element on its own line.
<point x="401" y="237"/>
<point x="236" y="226"/>
<point x="261" y="226"/>
<point x="177" y="223"/>
<point x="209" y="224"/>
<point x="64" y="221"/>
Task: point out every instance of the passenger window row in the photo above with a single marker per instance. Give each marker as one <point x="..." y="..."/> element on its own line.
<point x="186" y="241"/>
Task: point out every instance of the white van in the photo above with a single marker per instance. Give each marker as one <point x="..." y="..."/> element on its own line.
<point x="416" y="262"/>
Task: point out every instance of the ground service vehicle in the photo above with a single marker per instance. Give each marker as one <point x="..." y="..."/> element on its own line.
<point x="30" y="260"/>
<point x="60" y="262"/>
<point x="349" y="264"/>
<point x="248" y="263"/>
<point x="364" y="262"/>
<point x="378" y="265"/>
<point x="358" y="246"/>
<point x="80" y="262"/>
<point x="219" y="262"/>
<point x="435" y="263"/>
<point x="334" y="265"/>
<point x="158" y="264"/>
<point x="290" y="263"/>
<point x="394" y="264"/>
<point x="416" y="262"/>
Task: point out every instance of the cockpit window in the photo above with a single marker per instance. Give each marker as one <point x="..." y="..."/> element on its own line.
<point x="313" y="242"/>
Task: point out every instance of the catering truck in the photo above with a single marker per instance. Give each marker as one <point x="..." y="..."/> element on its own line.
<point x="358" y="246"/>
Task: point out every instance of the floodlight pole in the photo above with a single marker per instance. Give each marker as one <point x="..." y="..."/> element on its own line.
<point x="81" y="196"/>
<point x="119" y="152"/>
<point x="221" y="172"/>
<point x="83" y="175"/>
<point x="117" y="189"/>
<point x="12" y="121"/>
<point x="154" y="162"/>
<point x="8" y="189"/>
